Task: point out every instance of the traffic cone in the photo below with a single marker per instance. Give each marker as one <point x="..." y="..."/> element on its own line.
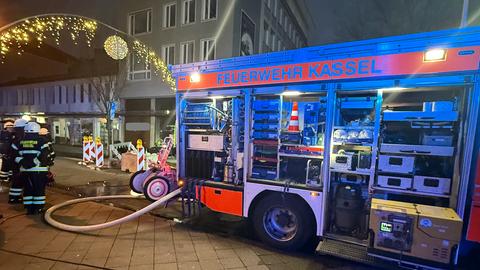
<point x="293" y="125"/>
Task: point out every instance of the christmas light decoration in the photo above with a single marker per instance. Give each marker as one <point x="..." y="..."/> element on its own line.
<point x="116" y="47"/>
<point x="39" y="29"/>
<point x="148" y="56"/>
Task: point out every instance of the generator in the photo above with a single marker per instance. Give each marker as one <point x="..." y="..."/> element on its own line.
<point x="419" y="234"/>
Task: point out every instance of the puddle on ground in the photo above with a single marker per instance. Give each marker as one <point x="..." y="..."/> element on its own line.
<point x="98" y="188"/>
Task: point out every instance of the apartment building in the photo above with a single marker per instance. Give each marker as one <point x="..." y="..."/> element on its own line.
<point x="181" y="31"/>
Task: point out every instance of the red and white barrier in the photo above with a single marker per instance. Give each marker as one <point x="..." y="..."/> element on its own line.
<point x="86" y="150"/>
<point x="99" y="153"/>
<point x="140" y="156"/>
<point x="92" y="149"/>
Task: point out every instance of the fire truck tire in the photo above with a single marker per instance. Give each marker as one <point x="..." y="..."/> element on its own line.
<point x="283" y="224"/>
<point x="156" y="188"/>
<point x="133" y="182"/>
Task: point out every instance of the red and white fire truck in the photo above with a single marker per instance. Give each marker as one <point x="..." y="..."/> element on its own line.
<point x="368" y="148"/>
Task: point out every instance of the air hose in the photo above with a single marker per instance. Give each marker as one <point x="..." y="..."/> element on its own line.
<point x="85" y="228"/>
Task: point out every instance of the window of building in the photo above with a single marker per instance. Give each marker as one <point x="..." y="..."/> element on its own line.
<point x="286" y="23"/>
<point x="279" y="46"/>
<point x="188" y="11"/>
<point x="274" y="41"/>
<point x="209" y="9"/>
<point x="280" y="17"/>
<point x="187" y="50"/>
<point x="138" y="69"/>
<point x="60" y="90"/>
<point x="168" y="54"/>
<point x="275" y="8"/>
<point x="74" y="93"/>
<point x="90" y="93"/>
<point x="169" y="15"/>
<point x="290" y="30"/>
<point x="266" y="29"/>
<point x="82" y="93"/>
<point x="140" y="22"/>
<point x="207" y="49"/>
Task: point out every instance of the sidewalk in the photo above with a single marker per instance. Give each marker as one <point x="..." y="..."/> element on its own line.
<point x="147" y="243"/>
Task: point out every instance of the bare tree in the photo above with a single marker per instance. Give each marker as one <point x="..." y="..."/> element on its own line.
<point x="107" y="90"/>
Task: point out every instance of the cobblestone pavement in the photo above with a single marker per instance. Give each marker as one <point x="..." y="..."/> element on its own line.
<point x="213" y="241"/>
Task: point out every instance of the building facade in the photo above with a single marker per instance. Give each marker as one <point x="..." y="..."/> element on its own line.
<point x="181" y="32"/>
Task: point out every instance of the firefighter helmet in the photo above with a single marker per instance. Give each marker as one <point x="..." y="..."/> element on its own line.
<point x="32" y="127"/>
<point x="43" y="131"/>
<point x="20" y="123"/>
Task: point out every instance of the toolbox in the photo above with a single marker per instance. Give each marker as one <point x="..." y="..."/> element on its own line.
<point x="265" y="126"/>
<point x="264" y="173"/>
<point x="266" y="105"/>
<point x="444" y="151"/>
<point x="264" y="135"/>
<point x="428" y="184"/>
<point x="437" y="140"/>
<point x="396" y="164"/>
<point x="397" y="182"/>
<point x="266" y="117"/>
<point x="343" y="161"/>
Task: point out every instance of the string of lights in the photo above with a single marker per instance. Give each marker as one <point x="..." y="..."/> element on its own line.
<point x="35" y="31"/>
<point x="148" y="56"/>
<point x="41" y="28"/>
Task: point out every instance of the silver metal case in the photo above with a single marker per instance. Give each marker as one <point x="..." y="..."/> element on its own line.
<point x="428" y="184"/>
<point x="396" y="164"/>
<point x="397" y="182"/>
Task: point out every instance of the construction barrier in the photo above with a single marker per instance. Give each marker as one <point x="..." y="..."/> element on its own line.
<point x="140" y="156"/>
<point x="99" y="153"/>
<point x="86" y="150"/>
<point x="92" y="148"/>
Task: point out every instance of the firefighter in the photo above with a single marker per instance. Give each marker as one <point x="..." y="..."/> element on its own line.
<point x="32" y="154"/>
<point x="45" y="134"/>
<point x="6" y="137"/>
<point x="16" y="183"/>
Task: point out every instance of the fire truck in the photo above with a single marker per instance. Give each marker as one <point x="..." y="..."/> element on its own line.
<point x="367" y="150"/>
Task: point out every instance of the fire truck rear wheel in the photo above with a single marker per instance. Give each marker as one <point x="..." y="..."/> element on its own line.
<point x="283" y="224"/>
<point x="132" y="186"/>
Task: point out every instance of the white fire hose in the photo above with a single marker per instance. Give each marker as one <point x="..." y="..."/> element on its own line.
<point x="85" y="228"/>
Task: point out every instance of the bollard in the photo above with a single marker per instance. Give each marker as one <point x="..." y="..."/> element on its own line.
<point x="86" y="150"/>
<point x="140" y="156"/>
<point x="99" y="153"/>
<point x="92" y="149"/>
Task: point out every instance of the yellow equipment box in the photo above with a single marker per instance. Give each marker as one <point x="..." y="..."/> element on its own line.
<point x="413" y="231"/>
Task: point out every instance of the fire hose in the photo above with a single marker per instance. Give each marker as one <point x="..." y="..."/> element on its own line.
<point x="85" y="228"/>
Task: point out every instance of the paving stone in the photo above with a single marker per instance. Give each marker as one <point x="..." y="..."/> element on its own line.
<point x="45" y="265"/>
<point x="186" y="256"/>
<point x="166" y="266"/>
<point x="229" y="263"/>
<point x="122" y="261"/>
<point x="141" y="267"/>
<point x="166" y="257"/>
<point x="226" y="253"/>
<point x="64" y="266"/>
<point x="100" y="262"/>
<point x="189" y="266"/>
<point x="211" y="264"/>
<point x="271" y="259"/>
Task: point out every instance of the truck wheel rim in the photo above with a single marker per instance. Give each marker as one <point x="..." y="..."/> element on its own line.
<point x="280" y="224"/>
<point x="157" y="189"/>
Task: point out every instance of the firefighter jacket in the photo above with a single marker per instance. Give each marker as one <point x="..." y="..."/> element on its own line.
<point x="6" y="139"/>
<point x="31" y="153"/>
<point x="51" y="152"/>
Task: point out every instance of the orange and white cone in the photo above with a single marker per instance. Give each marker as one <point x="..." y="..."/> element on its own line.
<point x="293" y="125"/>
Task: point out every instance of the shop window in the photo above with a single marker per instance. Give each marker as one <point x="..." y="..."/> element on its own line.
<point x="82" y="93"/>
<point x="140" y="22"/>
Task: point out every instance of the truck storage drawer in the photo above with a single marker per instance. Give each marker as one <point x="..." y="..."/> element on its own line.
<point x="421" y="116"/>
<point x="428" y="184"/>
<point x="394" y="182"/>
<point x="444" y="151"/>
<point x="222" y="200"/>
<point x="396" y="164"/>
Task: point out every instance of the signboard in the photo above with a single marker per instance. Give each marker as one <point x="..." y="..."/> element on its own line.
<point x="247" y="35"/>
<point x="458" y="59"/>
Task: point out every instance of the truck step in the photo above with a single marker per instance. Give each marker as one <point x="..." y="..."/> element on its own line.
<point x="347" y="251"/>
